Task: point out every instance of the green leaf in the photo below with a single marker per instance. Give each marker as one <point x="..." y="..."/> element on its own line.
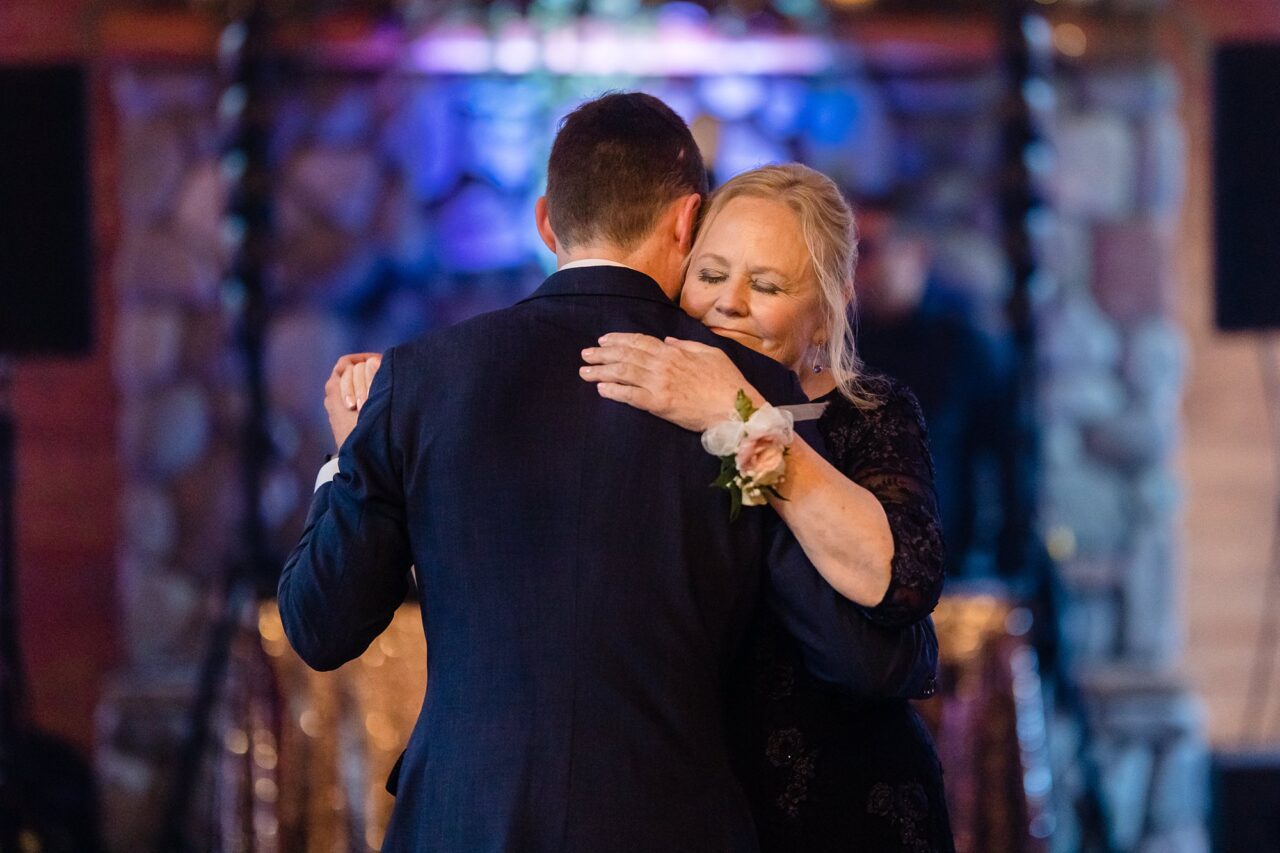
<point x="735" y="504"/>
<point x="744" y="406"/>
<point x="728" y="470"/>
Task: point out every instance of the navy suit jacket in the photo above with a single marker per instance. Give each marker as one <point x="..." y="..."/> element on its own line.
<point x="583" y="592"/>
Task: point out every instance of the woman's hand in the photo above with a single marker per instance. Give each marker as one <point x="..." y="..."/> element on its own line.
<point x="346" y="390"/>
<point x="687" y="383"/>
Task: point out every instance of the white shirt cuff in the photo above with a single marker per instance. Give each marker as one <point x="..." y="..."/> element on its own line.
<point x="328" y="471"/>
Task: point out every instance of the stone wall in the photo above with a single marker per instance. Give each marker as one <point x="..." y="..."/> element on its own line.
<point x="1112" y="364"/>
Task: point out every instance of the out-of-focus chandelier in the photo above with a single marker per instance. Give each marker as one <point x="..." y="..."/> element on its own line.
<point x="782" y="11"/>
<point x="766" y="14"/>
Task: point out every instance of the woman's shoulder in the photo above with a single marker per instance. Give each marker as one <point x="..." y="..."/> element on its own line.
<point x="884" y="400"/>
<point x="887" y="427"/>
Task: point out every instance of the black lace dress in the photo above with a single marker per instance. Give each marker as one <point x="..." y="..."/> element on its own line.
<point x="825" y="772"/>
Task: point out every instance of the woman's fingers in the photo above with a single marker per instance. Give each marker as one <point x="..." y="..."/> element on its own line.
<point x="649" y="374"/>
<point x="362" y="379"/>
<point x="629" y="394"/>
<point x="626" y="354"/>
<point x="347" y="382"/>
<point x="347" y="361"/>
<point x="688" y="346"/>
<point x="610" y="355"/>
<point x="342" y="379"/>
<point x="359" y="382"/>
<point x="333" y="395"/>
<point x="643" y="343"/>
<point x="623" y="372"/>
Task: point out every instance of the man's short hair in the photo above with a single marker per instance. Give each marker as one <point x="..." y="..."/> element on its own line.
<point x="616" y="162"/>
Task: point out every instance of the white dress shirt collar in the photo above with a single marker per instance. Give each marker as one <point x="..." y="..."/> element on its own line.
<point x="592" y="262"/>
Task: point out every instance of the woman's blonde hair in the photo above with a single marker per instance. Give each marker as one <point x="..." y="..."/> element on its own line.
<point x="830" y="234"/>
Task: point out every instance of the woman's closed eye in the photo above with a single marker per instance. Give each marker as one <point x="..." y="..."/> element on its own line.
<point x="757" y="284"/>
<point x="766" y="287"/>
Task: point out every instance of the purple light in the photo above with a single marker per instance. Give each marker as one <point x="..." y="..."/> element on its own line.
<point x="598" y="47"/>
<point x="456" y="51"/>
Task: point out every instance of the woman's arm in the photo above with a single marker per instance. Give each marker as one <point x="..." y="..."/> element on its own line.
<point x="843" y="526"/>
<point x="886" y="451"/>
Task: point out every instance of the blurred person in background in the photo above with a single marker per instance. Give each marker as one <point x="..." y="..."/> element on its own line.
<point x="924" y="332"/>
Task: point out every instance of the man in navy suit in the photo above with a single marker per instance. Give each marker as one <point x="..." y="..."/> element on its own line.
<point x="583" y="590"/>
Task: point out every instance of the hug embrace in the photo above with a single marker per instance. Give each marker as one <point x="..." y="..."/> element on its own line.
<point x="622" y="658"/>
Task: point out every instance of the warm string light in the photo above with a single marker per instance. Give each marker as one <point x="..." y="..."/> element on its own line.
<point x="1070" y="40"/>
<point x="320" y="768"/>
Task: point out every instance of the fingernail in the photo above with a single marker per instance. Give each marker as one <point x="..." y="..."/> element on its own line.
<point x="350" y="401"/>
<point x="586" y="353"/>
<point x="584" y="370"/>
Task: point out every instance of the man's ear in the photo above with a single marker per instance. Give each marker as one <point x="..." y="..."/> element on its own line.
<point x="687" y="221"/>
<point x="543" y="218"/>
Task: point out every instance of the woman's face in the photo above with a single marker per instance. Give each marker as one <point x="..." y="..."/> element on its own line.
<point x="750" y="278"/>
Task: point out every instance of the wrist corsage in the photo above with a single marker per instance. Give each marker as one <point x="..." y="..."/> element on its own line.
<point x="753" y="450"/>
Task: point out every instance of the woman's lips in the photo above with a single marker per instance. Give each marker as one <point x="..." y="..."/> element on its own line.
<point x="732" y="333"/>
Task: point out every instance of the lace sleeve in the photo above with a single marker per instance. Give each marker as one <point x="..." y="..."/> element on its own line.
<point x="886" y="451"/>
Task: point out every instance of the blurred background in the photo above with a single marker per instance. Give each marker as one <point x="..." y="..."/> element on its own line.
<point x="203" y="204"/>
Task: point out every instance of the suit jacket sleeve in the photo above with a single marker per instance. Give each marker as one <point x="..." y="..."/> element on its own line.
<point x="349" y="572"/>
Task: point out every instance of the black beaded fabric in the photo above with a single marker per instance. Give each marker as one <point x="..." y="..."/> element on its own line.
<point x="886" y="451"/>
<point x="825" y="772"/>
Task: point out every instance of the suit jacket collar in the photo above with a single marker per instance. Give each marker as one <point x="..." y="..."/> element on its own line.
<point x="602" y="281"/>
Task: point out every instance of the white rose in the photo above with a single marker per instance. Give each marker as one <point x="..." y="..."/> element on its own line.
<point x="773" y="423"/>
<point x="723" y="438"/>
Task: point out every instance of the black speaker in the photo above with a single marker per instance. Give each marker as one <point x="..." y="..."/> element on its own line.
<point x="1246" y="191"/>
<point x="1246" y="802"/>
<point x="45" y="273"/>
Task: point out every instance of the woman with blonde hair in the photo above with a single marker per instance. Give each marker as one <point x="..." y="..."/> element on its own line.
<point x="772" y="268"/>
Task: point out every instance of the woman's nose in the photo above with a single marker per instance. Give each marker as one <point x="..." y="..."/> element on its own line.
<point x="732" y="300"/>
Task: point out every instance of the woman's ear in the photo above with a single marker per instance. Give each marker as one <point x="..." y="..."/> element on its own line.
<point x="543" y="218"/>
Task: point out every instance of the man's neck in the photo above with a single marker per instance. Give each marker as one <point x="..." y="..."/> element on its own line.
<point x="639" y="260"/>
